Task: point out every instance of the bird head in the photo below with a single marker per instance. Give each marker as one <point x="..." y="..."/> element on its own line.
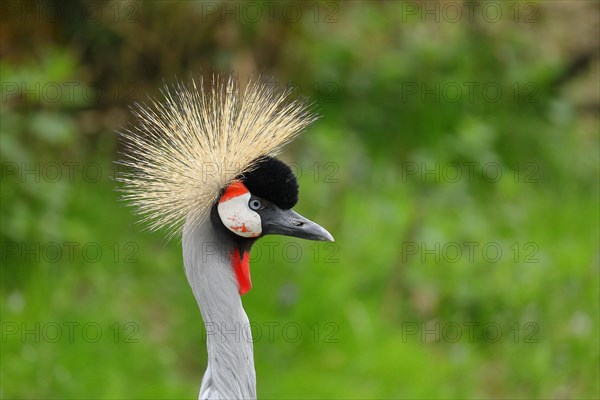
<point x="206" y="154"/>
<point x="260" y="203"/>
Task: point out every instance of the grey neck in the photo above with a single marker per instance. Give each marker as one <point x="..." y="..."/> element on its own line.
<point x="230" y="372"/>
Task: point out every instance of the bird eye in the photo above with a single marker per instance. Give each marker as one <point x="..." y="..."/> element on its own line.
<point x="256" y="204"/>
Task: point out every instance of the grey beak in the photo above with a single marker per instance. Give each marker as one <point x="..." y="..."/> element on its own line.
<point x="290" y="223"/>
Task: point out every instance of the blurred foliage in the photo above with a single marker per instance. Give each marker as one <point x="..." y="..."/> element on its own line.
<point x="383" y="80"/>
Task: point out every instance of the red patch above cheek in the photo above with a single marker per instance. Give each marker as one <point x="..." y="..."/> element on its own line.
<point x="241" y="267"/>
<point x="235" y="189"/>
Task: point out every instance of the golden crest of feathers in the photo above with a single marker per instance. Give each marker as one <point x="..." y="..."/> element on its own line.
<point x="190" y="146"/>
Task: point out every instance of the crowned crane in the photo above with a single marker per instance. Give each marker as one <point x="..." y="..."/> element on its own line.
<point x="202" y="163"/>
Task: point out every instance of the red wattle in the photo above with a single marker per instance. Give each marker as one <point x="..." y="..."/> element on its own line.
<point x="241" y="267"/>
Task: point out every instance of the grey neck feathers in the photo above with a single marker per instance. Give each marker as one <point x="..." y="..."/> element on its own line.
<point x="230" y="373"/>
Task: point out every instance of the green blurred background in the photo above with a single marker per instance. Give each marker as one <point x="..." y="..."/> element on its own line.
<point x="456" y="164"/>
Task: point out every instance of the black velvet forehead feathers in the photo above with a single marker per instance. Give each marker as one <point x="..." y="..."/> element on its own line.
<point x="273" y="180"/>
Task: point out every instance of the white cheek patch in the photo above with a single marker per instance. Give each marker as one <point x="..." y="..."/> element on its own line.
<point x="238" y="217"/>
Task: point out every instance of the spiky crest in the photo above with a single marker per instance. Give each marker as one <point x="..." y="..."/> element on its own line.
<point x="190" y="146"/>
